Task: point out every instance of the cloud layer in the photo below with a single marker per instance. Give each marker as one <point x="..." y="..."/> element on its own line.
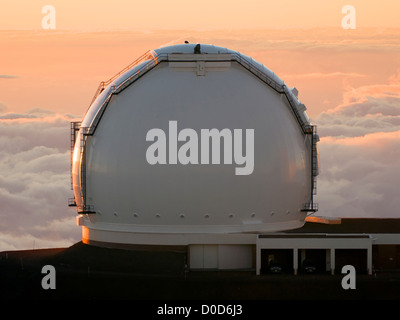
<point x="7" y="76"/>
<point x="35" y="181"/>
<point x="360" y="153"/>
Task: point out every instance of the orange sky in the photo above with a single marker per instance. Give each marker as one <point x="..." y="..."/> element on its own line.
<point x="76" y="56"/>
<point x="207" y="14"/>
<point x="60" y="70"/>
<point x="303" y="42"/>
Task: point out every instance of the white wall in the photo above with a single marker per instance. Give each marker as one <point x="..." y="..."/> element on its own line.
<point x="235" y="256"/>
<point x="203" y="256"/>
<point x="225" y="256"/>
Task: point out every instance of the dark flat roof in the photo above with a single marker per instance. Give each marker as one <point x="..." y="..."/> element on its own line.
<point x="352" y="225"/>
<point x="313" y="236"/>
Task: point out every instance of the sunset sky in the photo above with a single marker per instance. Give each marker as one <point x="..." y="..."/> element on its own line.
<point x="349" y="79"/>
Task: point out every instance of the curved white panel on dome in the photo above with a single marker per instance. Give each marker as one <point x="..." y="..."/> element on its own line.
<point x="130" y="194"/>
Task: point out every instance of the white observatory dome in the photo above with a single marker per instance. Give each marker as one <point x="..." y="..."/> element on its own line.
<point x="190" y="140"/>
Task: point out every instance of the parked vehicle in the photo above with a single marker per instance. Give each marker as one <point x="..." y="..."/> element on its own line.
<point x="274" y="267"/>
<point x="308" y="266"/>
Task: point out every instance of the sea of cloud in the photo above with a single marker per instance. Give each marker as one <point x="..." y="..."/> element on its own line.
<point x="360" y="154"/>
<point x="35" y="181"/>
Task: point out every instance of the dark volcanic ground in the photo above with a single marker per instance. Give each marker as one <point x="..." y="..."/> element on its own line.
<point x="89" y="272"/>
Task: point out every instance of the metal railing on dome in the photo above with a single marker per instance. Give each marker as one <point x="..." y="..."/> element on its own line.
<point x="154" y="59"/>
<point x="83" y="133"/>
<point x="74" y="129"/>
<point x="310" y="207"/>
<point x="149" y="55"/>
<point x="280" y="88"/>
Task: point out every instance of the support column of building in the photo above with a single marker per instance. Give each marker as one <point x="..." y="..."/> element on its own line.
<point x="332" y="260"/>
<point x="258" y="260"/>
<point x="369" y="260"/>
<point x="295" y="260"/>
